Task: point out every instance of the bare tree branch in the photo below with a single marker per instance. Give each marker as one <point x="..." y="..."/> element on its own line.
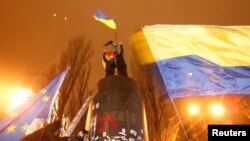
<point x="74" y="88"/>
<point x="158" y="107"/>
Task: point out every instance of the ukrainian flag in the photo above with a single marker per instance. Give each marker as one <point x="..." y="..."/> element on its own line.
<point x="110" y="22"/>
<point x="197" y="60"/>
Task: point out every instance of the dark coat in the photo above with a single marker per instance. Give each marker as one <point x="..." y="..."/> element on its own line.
<point x="120" y="58"/>
<point x="120" y="62"/>
<point x="109" y="65"/>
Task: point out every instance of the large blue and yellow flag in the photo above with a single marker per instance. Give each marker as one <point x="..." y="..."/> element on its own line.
<point x="31" y="115"/>
<point x="110" y="22"/>
<point x="197" y="60"/>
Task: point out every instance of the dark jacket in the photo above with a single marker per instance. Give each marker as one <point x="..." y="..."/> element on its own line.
<point x="110" y="64"/>
<point x="120" y="62"/>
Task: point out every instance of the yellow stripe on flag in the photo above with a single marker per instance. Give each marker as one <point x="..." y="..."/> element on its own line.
<point x="222" y="45"/>
<point x="110" y="23"/>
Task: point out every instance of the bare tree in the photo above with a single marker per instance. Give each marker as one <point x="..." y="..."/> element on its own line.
<point x="74" y="88"/>
<point x="159" y="109"/>
<point x="80" y="93"/>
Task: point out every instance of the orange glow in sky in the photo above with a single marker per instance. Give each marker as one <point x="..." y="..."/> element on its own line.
<point x="17" y="98"/>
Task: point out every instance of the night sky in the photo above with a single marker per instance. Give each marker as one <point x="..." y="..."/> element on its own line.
<point x="33" y="33"/>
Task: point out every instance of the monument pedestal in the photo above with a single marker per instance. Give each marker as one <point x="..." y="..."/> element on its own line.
<point x="116" y="112"/>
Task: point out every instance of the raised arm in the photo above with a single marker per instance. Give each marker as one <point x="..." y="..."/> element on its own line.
<point x="121" y="48"/>
<point x="104" y="57"/>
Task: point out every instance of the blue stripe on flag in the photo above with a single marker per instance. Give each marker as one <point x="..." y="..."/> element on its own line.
<point x="194" y="76"/>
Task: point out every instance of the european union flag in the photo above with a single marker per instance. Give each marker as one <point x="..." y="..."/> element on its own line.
<point x="28" y="117"/>
<point x="110" y="22"/>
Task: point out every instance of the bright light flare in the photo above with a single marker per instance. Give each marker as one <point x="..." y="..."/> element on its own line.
<point x="193" y="109"/>
<point x="146" y="138"/>
<point x="217" y="109"/>
<point x="17" y="98"/>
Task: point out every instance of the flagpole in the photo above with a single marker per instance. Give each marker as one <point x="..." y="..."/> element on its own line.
<point x="115" y="31"/>
<point x="79" y="115"/>
<point x="179" y="118"/>
<point x="53" y="100"/>
<point x="115" y="36"/>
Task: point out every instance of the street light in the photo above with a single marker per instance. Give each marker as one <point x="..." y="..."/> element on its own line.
<point x="217" y="109"/>
<point x="193" y="109"/>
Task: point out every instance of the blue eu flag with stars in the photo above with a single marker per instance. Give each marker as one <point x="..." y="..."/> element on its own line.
<point x="19" y="121"/>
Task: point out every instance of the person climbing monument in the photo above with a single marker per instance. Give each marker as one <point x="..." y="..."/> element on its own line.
<point x="54" y="114"/>
<point x="83" y="135"/>
<point x="109" y="63"/>
<point x="116" y="60"/>
<point x="63" y="126"/>
<point x="120" y="61"/>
